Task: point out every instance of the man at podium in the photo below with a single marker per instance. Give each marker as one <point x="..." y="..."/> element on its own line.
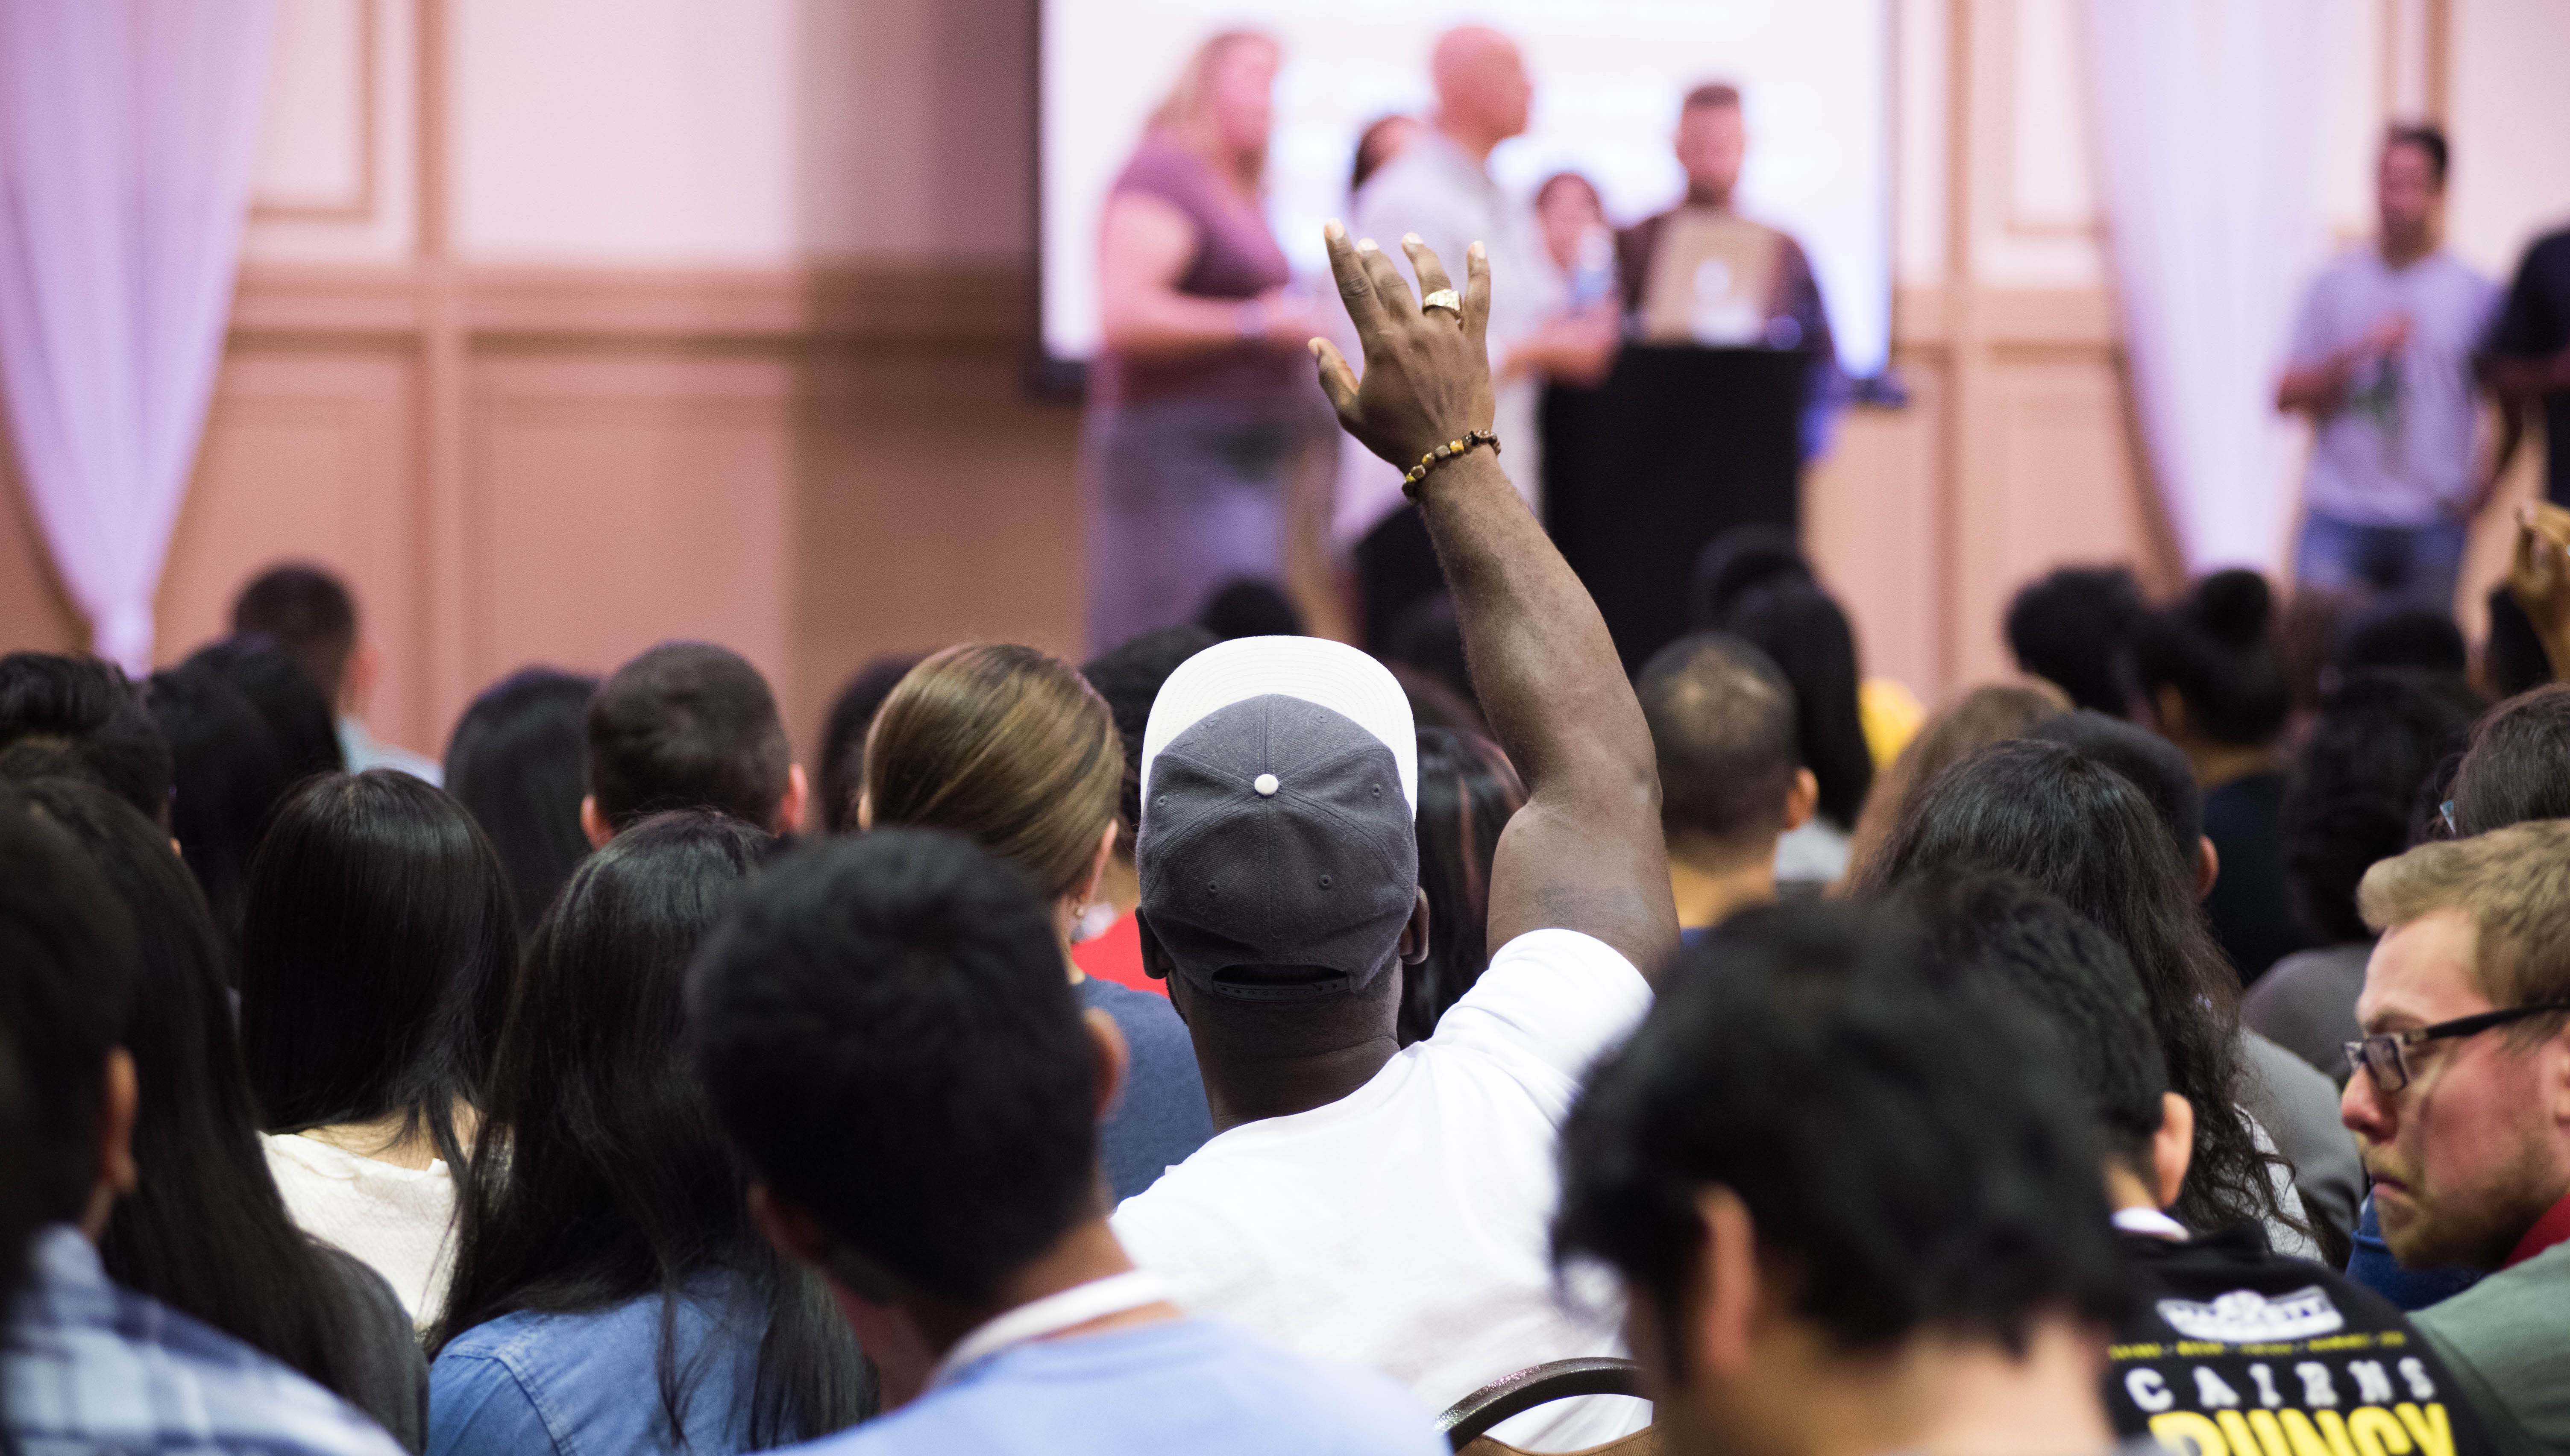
<point x="1700" y="273"/>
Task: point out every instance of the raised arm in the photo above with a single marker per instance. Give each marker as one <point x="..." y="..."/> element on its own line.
<point x="1585" y="853"/>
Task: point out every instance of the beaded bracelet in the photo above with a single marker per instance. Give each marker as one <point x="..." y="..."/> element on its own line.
<point x="1443" y="453"/>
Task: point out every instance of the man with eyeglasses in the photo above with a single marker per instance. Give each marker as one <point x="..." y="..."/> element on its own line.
<point x="2462" y="1106"/>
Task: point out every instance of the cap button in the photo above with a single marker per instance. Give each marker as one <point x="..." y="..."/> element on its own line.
<point x="1265" y="784"/>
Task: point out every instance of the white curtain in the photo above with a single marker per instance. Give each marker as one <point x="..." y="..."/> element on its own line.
<point x="127" y="133"/>
<point x="2212" y="124"/>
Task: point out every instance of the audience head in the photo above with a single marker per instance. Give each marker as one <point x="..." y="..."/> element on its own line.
<point x="1570" y="212"/>
<point x="1712" y="139"/>
<point x="1009" y="748"/>
<point x="2463" y="1133"/>
<point x="619" y="1182"/>
<point x="1128" y="677"/>
<point x="2356" y="788"/>
<point x="1249" y="608"/>
<point x="1801" y="628"/>
<point x="2078" y="829"/>
<point x="2410" y="179"/>
<point x="298" y="717"/>
<point x="376" y="958"/>
<point x="63" y="1009"/>
<point x="2512" y="660"/>
<point x="1812" y="1158"/>
<point x="204" y="1231"/>
<point x="2209" y="665"/>
<point x="1743" y="558"/>
<point x="1976" y="720"/>
<point x="2028" y="948"/>
<point x="228" y="777"/>
<point x="1278" y="861"/>
<point x="1425" y="643"/>
<point x="1722" y="724"/>
<point x="307" y="612"/>
<point x="2075" y="629"/>
<point x="688" y="725"/>
<point x="916" y="975"/>
<point x="1223" y="104"/>
<point x="80" y="715"/>
<point x="1482" y="94"/>
<point x="843" y="736"/>
<point x="1384" y="139"/>
<point x="2515" y="763"/>
<point x="2406" y="637"/>
<point x="514" y="762"/>
<point x="1467" y="790"/>
<point x="2154" y="766"/>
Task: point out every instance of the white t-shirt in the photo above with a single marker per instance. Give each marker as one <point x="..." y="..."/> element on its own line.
<point x="397" y="1221"/>
<point x="1407" y="1225"/>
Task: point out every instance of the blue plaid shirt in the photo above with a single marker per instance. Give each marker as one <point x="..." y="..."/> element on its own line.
<point x="91" y="1367"/>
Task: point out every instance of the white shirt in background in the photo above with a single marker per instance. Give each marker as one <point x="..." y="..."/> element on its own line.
<point x="1407" y="1225"/>
<point x="397" y="1221"/>
<point x="1435" y="189"/>
<point x="360" y="752"/>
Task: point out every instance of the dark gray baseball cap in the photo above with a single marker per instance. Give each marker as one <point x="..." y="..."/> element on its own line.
<point x="1276" y="851"/>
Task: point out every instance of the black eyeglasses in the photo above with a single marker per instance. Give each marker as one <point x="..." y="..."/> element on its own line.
<point x="2384" y="1060"/>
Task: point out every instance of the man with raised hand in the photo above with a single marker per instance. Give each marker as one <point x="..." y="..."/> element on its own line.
<point x="1358" y="1199"/>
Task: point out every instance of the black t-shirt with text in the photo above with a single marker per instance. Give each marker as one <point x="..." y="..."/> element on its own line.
<point x="2232" y="1349"/>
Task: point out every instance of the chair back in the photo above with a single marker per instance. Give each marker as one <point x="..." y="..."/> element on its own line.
<point x="1468" y="1422"/>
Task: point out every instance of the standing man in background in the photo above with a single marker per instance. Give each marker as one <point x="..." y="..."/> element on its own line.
<point x="2527" y="360"/>
<point x="2381" y="363"/>
<point x="1441" y="188"/>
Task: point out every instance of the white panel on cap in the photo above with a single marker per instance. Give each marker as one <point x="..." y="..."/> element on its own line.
<point x="1315" y="669"/>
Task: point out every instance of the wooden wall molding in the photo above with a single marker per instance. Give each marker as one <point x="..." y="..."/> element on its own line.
<point x="979" y="304"/>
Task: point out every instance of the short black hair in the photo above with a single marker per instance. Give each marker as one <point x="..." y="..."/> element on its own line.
<point x="377" y="954"/>
<point x="2428" y="138"/>
<point x="2154" y="764"/>
<point x="1249" y="607"/>
<point x="298" y="716"/>
<point x="229" y="777"/>
<point x="2073" y="628"/>
<point x="514" y="762"/>
<point x="2217" y="646"/>
<point x="1740" y="560"/>
<point x="310" y="613"/>
<point x="2516" y="763"/>
<point x="1911" y="1150"/>
<point x="85" y="710"/>
<point x="1721" y="717"/>
<point x="1128" y="676"/>
<point x="2035" y="951"/>
<point x="2355" y="784"/>
<point x="843" y="736"/>
<point x="64" y="998"/>
<point x="686" y="725"/>
<point x="2406" y="637"/>
<point x="886" y="1030"/>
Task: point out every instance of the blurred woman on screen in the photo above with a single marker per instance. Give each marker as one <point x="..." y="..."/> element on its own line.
<point x="1203" y="403"/>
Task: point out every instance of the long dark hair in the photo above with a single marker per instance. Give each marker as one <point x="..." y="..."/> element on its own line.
<point x="2082" y="831"/>
<point x="605" y="1175"/>
<point x="1802" y="628"/>
<point x="302" y="719"/>
<point x="514" y="760"/>
<point x="205" y="1231"/>
<point x="376" y="957"/>
<point x="1467" y="792"/>
<point x="229" y="776"/>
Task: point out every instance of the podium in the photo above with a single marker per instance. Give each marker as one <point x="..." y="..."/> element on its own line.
<point x="1675" y="447"/>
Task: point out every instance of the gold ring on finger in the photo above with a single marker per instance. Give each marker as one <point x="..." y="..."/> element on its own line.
<point x="1445" y="298"/>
